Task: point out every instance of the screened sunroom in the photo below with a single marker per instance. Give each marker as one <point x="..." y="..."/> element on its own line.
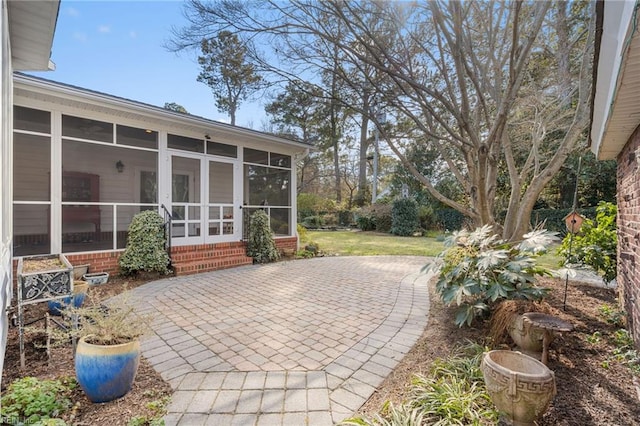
<point x="85" y="163"/>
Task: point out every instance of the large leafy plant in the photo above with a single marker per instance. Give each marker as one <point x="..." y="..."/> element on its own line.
<point x="595" y="246"/>
<point x="145" y="245"/>
<point x="477" y="269"/>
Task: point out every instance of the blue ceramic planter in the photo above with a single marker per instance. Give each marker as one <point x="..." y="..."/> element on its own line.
<point x="106" y="373"/>
<point x="55" y="306"/>
<point x="76" y="300"/>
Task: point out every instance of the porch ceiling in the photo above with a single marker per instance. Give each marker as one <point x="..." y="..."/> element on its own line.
<point x="616" y="109"/>
<point x="31" y="28"/>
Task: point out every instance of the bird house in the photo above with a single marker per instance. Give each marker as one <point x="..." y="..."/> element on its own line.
<point x="573" y="221"/>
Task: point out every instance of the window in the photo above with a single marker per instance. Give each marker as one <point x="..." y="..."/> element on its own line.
<point x="85" y="128"/>
<point x="222" y="149"/>
<point x="185" y="144"/>
<point x="143" y="138"/>
<point x="32" y="120"/>
<point x="115" y="186"/>
<point x="280" y="160"/>
<point x="256" y="157"/>
<point x="31" y="167"/>
<point x="267" y="187"/>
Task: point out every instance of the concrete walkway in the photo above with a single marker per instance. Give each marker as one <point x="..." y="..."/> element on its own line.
<point x="302" y="342"/>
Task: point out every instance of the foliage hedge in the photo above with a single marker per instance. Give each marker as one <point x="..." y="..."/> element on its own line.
<point x="450" y="219"/>
<point x="382" y="215"/>
<point x="596" y="244"/>
<point x="553" y="219"/>
<point x="404" y="217"/>
<point x="366" y="222"/>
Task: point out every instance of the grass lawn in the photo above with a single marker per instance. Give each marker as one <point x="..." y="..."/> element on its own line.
<point x="550" y="259"/>
<point x="358" y="243"/>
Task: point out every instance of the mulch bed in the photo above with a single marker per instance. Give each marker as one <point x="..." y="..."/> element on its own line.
<point x="588" y="392"/>
<point x="148" y="386"/>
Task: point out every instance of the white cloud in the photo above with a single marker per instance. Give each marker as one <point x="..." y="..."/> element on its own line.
<point x="133" y="34"/>
<point x="71" y="11"/>
<point x="223" y="120"/>
<point x="104" y="29"/>
<point x="81" y="37"/>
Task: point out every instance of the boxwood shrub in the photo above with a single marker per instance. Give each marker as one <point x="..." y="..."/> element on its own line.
<point x="404" y="217"/>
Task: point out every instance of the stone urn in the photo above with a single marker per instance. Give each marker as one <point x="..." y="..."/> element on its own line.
<point x="527" y="337"/>
<point x="520" y="387"/>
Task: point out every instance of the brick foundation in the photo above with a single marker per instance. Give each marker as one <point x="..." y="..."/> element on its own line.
<point x="186" y="259"/>
<point x="628" y="181"/>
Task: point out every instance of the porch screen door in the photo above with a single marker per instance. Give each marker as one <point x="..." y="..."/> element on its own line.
<point x="186" y="207"/>
<point x="221" y="220"/>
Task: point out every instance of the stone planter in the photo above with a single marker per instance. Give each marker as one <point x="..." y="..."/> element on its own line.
<point x="42" y="278"/>
<point x="96" y="278"/>
<point x="527" y="337"/>
<point x="79" y="271"/>
<point x="520" y="387"/>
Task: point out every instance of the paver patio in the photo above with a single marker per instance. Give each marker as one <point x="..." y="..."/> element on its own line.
<point x="289" y="343"/>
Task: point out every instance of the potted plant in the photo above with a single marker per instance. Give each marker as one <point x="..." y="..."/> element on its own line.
<point x="80" y="289"/>
<point x="108" y="351"/>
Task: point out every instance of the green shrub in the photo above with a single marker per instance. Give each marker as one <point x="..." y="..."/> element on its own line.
<point x="303" y="235"/>
<point x="313" y="205"/>
<point x="427" y="218"/>
<point x="382" y="216"/>
<point x="366" y="221"/>
<point x="345" y="217"/>
<point x="145" y="245"/>
<point x="404" y="217"/>
<point x="29" y="400"/>
<point x="330" y="219"/>
<point x="478" y="269"/>
<point x="595" y="245"/>
<point x="553" y="219"/>
<point x="450" y="219"/>
<point x="261" y="245"/>
<point x="313" y="222"/>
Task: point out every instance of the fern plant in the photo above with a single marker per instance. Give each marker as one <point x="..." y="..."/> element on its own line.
<point x="261" y="245"/>
<point x="478" y="269"/>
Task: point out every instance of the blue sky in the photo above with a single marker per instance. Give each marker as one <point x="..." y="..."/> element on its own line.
<point x="116" y="47"/>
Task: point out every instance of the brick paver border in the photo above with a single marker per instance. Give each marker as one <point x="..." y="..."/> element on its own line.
<point x="302" y="342"/>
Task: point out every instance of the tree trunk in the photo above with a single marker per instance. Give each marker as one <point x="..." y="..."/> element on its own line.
<point x="364" y="145"/>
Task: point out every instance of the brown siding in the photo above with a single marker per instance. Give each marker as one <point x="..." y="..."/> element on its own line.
<point x="629" y="233"/>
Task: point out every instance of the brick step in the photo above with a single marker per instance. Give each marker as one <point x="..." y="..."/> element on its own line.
<point x="211" y="264"/>
<point x="205" y="255"/>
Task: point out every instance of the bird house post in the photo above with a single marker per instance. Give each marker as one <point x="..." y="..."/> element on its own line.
<point x="573" y="221"/>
